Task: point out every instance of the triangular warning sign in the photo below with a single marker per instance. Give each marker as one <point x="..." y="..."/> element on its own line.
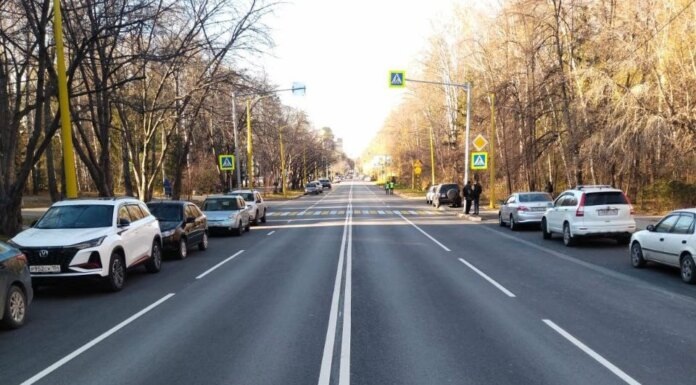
<point x="226" y="162"/>
<point x="396" y="79"/>
<point x="479" y="161"/>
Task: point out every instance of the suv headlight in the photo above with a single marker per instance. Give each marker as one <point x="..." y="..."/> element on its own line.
<point x="87" y="244"/>
<point x="168" y="233"/>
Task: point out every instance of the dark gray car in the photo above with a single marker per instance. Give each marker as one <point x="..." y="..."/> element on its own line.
<point x="15" y="287"/>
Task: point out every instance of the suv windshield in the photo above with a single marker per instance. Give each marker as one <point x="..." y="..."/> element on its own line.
<point x="249" y="197"/>
<point x="77" y="217"/>
<point x="540" y="197"/>
<point x="221" y="204"/>
<point x="605" y="198"/>
<point x="166" y="212"/>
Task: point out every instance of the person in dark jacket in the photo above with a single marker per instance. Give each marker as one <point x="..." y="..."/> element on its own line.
<point x="476" y="195"/>
<point x="468" y="193"/>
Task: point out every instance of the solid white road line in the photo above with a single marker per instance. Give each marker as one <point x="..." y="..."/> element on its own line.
<point x="487" y="278"/>
<point x="271" y="233"/>
<point x="95" y="341"/>
<point x="219" y="264"/>
<point x="618" y="372"/>
<point x="344" y="371"/>
<point x="424" y="233"/>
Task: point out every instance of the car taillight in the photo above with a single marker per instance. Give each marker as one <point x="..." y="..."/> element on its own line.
<point x="580" y="212"/>
<point x="630" y="206"/>
<point x="522" y="208"/>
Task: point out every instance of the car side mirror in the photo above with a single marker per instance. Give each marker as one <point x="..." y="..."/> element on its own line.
<point x="123" y="222"/>
<point x="191" y="220"/>
<point x="650" y="228"/>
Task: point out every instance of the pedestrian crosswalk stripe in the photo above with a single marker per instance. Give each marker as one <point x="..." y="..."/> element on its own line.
<point x="292" y="214"/>
<point x="356" y="211"/>
<point x="317" y="213"/>
<point x="380" y="212"/>
<point x="341" y="212"/>
<point x="284" y="214"/>
<point x="333" y="212"/>
<point x="397" y="212"/>
<point x="413" y="212"/>
<point x="324" y="212"/>
<point x="300" y="214"/>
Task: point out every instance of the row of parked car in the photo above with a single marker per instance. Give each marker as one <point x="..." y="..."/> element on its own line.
<point x="317" y="186"/>
<point x="605" y="212"/>
<point x="103" y="238"/>
<point x="595" y="211"/>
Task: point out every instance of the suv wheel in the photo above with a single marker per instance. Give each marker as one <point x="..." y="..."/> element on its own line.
<point x="154" y="264"/>
<point x="637" y="259"/>
<point x="568" y="239"/>
<point x="513" y="225"/>
<point x="545" y="229"/>
<point x="15" y="308"/>
<point x="256" y="218"/>
<point x="263" y="218"/>
<point x="204" y="242"/>
<point x="239" y="230"/>
<point x="117" y="273"/>
<point x="182" y="252"/>
<point x="501" y="223"/>
<point x="686" y="265"/>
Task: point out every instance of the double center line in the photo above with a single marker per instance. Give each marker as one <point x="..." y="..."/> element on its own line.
<point x="345" y="256"/>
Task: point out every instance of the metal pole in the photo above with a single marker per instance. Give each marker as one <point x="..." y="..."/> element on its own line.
<point x="492" y="155"/>
<point x="466" y="138"/>
<point x="66" y="126"/>
<point x="250" y="148"/>
<point x="236" y="141"/>
<point x="432" y="157"/>
<point x="282" y="162"/>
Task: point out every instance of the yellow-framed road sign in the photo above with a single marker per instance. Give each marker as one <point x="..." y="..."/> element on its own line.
<point x="479" y="160"/>
<point x="397" y="79"/>
<point x="226" y="162"/>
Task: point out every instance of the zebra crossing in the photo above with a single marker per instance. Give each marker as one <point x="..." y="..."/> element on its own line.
<point x="313" y="213"/>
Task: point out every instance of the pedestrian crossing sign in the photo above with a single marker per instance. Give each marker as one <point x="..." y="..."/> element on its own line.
<point x="479" y="160"/>
<point x="226" y="162"/>
<point x="397" y="79"/>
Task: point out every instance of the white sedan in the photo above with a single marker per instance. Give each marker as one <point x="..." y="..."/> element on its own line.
<point x="671" y="242"/>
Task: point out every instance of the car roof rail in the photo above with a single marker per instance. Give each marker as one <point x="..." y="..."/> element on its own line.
<point x="586" y="186"/>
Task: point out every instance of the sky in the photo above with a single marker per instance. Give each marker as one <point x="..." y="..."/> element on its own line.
<point x="342" y="51"/>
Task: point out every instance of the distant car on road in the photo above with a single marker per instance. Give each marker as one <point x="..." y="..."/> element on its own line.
<point x="16" y="292"/>
<point x="671" y="242"/>
<point x="182" y="224"/>
<point x="255" y="203"/>
<point x="227" y="213"/>
<point x="431" y="194"/>
<point x="325" y="183"/>
<point x="447" y="193"/>
<point x="311" y="188"/>
<point x="320" y="187"/>
<point x="524" y="208"/>
<point x="590" y="211"/>
<point x="92" y="238"/>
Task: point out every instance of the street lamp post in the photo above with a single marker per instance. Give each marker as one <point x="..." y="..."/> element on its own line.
<point x="236" y="141"/>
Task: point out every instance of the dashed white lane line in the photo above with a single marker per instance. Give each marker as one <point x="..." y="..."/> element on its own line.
<point x="95" y="341"/>
<point x="487" y="278"/>
<point x="271" y="233"/>
<point x="424" y="233"/>
<point x="219" y="264"/>
<point x="596" y="356"/>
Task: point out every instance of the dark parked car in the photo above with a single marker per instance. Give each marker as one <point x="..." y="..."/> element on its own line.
<point x="15" y="287"/>
<point x="325" y="182"/>
<point x="183" y="225"/>
<point x="447" y="193"/>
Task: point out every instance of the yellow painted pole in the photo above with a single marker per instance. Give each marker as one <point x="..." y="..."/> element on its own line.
<point x="282" y="162"/>
<point x="492" y="155"/>
<point x="66" y="127"/>
<point x="432" y="158"/>
<point x="250" y="148"/>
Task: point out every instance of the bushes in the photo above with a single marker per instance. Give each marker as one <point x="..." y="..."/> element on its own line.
<point x="668" y="195"/>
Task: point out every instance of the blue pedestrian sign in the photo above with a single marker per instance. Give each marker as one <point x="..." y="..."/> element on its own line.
<point x="479" y="160"/>
<point x="397" y="79"/>
<point x="226" y="162"/>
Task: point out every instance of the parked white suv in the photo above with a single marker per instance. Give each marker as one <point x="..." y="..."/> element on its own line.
<point x="590" y="211"/>
<point x="94" y="238"/>
<point x="255" y="204"/>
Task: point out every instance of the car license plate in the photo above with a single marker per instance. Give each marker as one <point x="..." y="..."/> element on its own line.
<point x="538" y="208"/>
<point x="44" y="269"/>
<point x="606" y="212"/>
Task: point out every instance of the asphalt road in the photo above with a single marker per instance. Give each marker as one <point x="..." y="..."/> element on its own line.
<point x="356" y="287"/>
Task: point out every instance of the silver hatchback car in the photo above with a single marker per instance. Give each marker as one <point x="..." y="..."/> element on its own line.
<point x="524" y="208"/>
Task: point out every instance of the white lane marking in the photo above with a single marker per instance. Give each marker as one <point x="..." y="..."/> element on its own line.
<point x="618" y="372"/>
<point x="95" y="341"/>
<point x="344" y="370"/>
<point x="220" y="264"/>
<point x="327" y="358"/>
<point x="271" y="233"/>
<point x="487" y="278"/>
<point x="424" y="233"/>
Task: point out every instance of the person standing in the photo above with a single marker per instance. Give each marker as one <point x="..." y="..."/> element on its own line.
<point x="468" y="196"/>
<point x="549" y="187"/>
<point x="476" y="195"/>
